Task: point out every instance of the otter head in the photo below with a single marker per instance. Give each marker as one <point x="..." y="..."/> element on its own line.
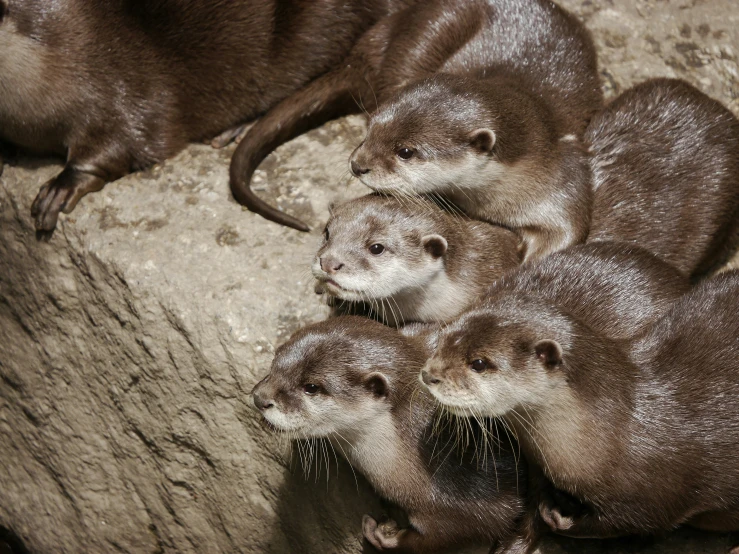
<point x="376" y="247"/>
<point x="336" y="377"/>
<point x="504" y="357"/>
<point x="433" y="135"/>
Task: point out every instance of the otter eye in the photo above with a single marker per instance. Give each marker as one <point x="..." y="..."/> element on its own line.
<point x="479" y="366"/>
<point x="325" y="234"/>
<point x="405" y="153"/>
<point x="376" y="249"/>
<point x="310" y="389"/>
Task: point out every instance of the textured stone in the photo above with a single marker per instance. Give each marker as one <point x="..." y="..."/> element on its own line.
<point x="129" y="341"/>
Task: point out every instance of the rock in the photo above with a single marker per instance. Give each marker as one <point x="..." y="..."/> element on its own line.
<point x="129" y="342"/>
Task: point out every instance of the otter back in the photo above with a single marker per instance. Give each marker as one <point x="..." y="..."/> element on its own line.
<point x="119" y="85"/>
<point x="617" y="288"/>
<point x="665" y="162"/>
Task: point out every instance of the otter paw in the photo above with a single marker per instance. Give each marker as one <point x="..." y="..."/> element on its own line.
<point x="227" y="137"/>
<point x="61" y="194"/>
<point x="554" y="518"/>
<point x="383" y="536"/>
<point x="49" y="202"/>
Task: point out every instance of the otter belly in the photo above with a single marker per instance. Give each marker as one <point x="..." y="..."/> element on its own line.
<point x="32" y="105"/>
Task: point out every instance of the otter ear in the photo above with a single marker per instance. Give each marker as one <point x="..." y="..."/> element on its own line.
<point x="436" y="245"/>
<point x="483" y="140"/>
<point x="377" y="384"/>
<point x="549" y="353"/>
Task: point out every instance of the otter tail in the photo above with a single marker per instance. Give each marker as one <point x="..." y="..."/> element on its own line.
<point x="328" y="97"/>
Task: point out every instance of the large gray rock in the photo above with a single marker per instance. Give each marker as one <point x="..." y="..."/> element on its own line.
<point x="130" y="341"/>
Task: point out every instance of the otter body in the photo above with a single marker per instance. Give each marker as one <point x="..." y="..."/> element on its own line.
<point x="352" y="380"/>
<point x="409" y="261"/>
<point x="437" y="56"/>
<point x="119" y="85"/>
<point x="618" y="288"/>
<point x="641" y="430"/>
<point x="665" y="163"/>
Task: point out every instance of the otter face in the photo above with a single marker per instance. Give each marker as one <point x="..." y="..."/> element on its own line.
<point x="320" y="384"/>
<point x="431" y="138"/>
<point x="489" y="366"/>
<point x="375" y="248"/>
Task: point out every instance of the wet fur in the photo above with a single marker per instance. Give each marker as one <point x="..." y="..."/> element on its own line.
<point x="119" y="85"/>
<point x="451" y="498"/>
<point x="640" y="430"/>
<point x="533" y="43"/>
<point x="531" y="178"/>
<point x="409" y="282"/>
<point x="619" y="289"/>
<point x="665" y="160"/>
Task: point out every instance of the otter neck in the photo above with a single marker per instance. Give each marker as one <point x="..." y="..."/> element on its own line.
<point x="547" y="204"/>
<point x="384" y="457"/>
<point x="572" y="435"/>
<point x="437" y="300"/>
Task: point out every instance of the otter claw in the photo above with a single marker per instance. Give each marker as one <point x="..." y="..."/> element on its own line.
<point x="49" y="202"/>
<point x="62" y="194"/>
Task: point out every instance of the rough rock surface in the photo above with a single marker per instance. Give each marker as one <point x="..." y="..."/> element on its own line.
<point x="130" y="341"/>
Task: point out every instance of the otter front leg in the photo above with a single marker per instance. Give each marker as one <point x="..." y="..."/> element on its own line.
<point x="82" y="175"/>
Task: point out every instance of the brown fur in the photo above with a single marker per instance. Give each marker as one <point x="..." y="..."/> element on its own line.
<point x="532" y="43"/>
<point x="665" y="161"/>
<point x="434" y="263"/>
<point x="640" y="430"/>
<point x="119" y="85"/>
<point x="619" y="289"/>
<point x="531" y="174"/>
<point x="369" y="372"/>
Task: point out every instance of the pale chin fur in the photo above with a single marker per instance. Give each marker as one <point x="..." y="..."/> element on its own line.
<point x="396" y="277"/>
<point x="321" y="418"/>
<point x="487" y="400"/>
<point x="294" y="423"/>
<point x="471" y="171"/>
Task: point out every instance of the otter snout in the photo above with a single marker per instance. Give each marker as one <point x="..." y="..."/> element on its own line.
<point x="428" y="379"/>
<point x="330" y="265"/>
<point x="262" y="399"/>
<point x="260" y="402"/>
<point x="432" y="373"/>
<point x="357" y="169"/>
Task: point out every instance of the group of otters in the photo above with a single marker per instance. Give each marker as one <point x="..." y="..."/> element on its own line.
<point x="539" y="273"/>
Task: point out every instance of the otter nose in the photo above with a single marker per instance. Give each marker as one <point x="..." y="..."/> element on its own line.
<point x="357" y="170"/>
<point x="329" y="265"/>
<point x="428" y="379"/>
<point x="260" y="402"/>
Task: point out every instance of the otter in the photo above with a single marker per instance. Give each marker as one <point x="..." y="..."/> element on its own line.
<point x="409" y="261"/>
<point x="378" y="256"/>
<point x="116" y="86"/>
<point x="510" y="84"/>
<point x="491" y="146"/>
<point x="665" y="164"/>
<point x="640" y="430"/>
<point x="352" y="381"/>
